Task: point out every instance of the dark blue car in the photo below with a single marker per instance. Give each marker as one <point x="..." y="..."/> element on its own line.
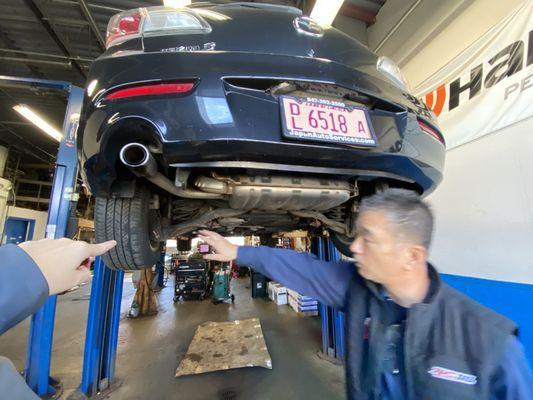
<point x="245" y="118"/>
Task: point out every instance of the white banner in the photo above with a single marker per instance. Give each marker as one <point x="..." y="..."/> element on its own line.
<point x="489" y="85"/>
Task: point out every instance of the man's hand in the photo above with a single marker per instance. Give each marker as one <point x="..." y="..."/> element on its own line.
<point x="224" y="250"/>
<point x="64" y="263"/>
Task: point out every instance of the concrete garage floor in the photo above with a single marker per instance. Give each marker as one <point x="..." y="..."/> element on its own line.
<point x="150" y="349"/>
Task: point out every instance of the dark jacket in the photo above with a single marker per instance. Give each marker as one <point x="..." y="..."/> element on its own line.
<point x="453" y="346"/>
<point x="23" y="288"/>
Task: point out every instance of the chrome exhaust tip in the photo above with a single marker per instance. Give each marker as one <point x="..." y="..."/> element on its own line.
<point x="134" y="155"/>
<point x="138" y="158"/>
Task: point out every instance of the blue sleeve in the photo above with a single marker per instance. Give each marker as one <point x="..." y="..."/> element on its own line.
<point x="513" y="379"/>
<point x="328" y="282"/>
<point x="23" y="288"/>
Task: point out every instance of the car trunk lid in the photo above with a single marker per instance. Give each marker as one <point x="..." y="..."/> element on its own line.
<point x="237" y="27"/>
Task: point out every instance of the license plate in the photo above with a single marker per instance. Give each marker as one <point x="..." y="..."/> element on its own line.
<point x="318" y="119"/>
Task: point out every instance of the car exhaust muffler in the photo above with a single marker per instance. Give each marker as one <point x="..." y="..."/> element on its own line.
<point x="138" y="158"/>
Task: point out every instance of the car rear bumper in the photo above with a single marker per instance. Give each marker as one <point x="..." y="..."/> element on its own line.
<point x="221" y="122"/>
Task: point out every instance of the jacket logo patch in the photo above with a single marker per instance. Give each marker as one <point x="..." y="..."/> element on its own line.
<point x="451" y="375"/>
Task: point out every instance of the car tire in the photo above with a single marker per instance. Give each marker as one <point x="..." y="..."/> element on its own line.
<point x="132" y="224"/>
<point x="342" y="243"/>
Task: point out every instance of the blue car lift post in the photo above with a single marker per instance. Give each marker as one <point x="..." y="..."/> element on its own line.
<point x="37" y="371"/>
<point x="101" y="336"/>
<point x="332" y="320"/>
<point x="106" y="290"/>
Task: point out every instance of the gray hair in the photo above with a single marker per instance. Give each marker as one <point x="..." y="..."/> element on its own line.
<point x="406" y="211"/>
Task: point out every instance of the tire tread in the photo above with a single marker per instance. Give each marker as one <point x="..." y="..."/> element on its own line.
<point x="126" y="221"/>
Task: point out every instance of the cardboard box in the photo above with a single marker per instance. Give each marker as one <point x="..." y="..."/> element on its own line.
<point x="303" y="305"/>
<point x="280" y="299"/>
<point x="299" y="297"/>
<point x="303" y="311"/>
<point x="277" y="293"/>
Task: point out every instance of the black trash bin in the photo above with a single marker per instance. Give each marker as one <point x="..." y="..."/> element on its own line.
<point x="259" y="285"/>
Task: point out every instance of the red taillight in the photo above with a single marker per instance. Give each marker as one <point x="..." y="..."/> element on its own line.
<point x="130" y="24"/>
<point x="123" y="26"/>
<point x="432" y="131"/>
<point x="158" y="20"/>
<point x="151" y="90"/>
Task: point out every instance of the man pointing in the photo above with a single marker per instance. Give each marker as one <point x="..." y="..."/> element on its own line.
<point x="409" y="335"/>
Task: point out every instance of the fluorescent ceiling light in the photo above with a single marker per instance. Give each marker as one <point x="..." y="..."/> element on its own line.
<point x="176" y="3"/>
<point x="38" y="121"/>
<point x="325" y="11"/>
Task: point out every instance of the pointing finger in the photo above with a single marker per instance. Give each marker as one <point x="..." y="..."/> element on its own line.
<point x="101" y="248"/>
<point x="205" y="233"/>
<point x="210" y="234"/>
<point x="206" y="239"/>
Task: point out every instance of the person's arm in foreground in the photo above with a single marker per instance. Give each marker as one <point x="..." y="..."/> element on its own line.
<point x="32" y="271"/>
<point x="514" y="379"/>
<point x="326" y="281"/>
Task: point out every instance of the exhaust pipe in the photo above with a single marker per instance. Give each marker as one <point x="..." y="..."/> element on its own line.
<point x="138" y="158"/>
<point x="211" y="185"/>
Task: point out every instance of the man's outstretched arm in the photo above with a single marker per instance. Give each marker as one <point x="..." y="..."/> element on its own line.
<point x="33" y="270"/>
<point x="326" y="281"/>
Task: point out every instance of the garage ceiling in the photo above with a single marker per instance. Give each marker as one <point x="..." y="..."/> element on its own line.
<point x="58" y="39"/>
